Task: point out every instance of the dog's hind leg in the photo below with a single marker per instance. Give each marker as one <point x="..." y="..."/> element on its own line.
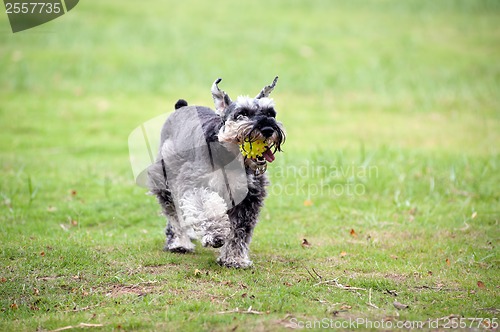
<point x="178" y="239"/>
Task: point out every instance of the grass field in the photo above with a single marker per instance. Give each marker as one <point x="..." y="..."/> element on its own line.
<point x="391" y="169"/>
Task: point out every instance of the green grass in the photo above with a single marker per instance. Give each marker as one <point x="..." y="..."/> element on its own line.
<point x="390" y="170"/>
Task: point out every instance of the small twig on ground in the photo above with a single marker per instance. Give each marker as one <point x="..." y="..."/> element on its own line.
<point x="314" y="278"/>
<point x="230" y="296"/>
<point x="391" y="292"/>
<point x="324" y="282"/>
<point x="326" y="302"/>
<point x="339" y="285"/>
<point x="79" y="326"/>
<point x="238" y="311"/>
<point x="331" y="306"/>
<point x="370" y="300"/>
<point x="316" y="273"/>
<point x="82" y="309"/>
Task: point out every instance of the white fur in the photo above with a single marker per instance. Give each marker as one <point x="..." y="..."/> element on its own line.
<point x="205" y="212"/>
<point x="235" y="131"/>
<point x="254" y="104"/>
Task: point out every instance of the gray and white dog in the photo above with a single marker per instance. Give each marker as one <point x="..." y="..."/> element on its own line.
<point x="207" y="187"/>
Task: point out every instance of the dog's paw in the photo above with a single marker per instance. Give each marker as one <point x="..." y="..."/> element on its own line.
<point x="178" y="250"/>
<point x="234" y="262"/>
<point x="180" y="247"/>
<point x="212" y="241"/>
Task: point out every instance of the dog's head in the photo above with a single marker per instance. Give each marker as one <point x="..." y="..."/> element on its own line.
<point x="249" y="120"/>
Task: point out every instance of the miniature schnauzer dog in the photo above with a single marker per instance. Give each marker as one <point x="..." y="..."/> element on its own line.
<point x="208" y="188"/>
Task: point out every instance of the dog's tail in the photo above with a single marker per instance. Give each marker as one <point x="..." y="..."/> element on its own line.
<point x="180" y="103"/>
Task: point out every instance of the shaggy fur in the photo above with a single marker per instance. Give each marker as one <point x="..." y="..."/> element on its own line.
<point x="208" y="191"/>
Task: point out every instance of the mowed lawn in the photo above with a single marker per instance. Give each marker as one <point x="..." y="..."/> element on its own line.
<point x="384" y="207"/>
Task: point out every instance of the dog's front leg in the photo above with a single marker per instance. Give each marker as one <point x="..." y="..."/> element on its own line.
<point x="206" y="213"/>
<point x="235" y="251"/>
<point x="243" y="219"/>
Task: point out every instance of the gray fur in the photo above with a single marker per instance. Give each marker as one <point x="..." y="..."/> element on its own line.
<point x="207" y="189"/>
<point x="266" y="91"/>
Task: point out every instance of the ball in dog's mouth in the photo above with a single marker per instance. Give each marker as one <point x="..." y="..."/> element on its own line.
<point x="257" y="150"/>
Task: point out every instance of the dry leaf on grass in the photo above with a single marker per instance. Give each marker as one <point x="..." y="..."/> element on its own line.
<point x="81" y="325"/>
<point x="399" y="305"/>
<point x="305" y="243"/>
<point x="238" y="311"/>
<point x="353" y="233"/>
<point x="51" y="208"/>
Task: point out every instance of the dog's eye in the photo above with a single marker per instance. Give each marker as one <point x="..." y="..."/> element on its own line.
<point x="271" y="113"/>
<point x="241" y="114"/>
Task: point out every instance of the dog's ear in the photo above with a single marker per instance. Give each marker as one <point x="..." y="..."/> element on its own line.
<point x="221" y="99"/>
<point x="266" y="91"/>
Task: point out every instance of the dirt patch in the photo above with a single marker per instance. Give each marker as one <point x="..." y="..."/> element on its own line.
<point x="138" y="290"/>
<point x="398" y="278"/>
<point x="159" y="269"/>
<point x="49" y="278"/>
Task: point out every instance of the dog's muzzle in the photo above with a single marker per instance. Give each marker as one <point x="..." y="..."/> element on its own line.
<point x="258" y="154"/>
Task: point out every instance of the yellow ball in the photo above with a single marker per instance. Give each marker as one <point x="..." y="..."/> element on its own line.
<point x="253" y="149"/>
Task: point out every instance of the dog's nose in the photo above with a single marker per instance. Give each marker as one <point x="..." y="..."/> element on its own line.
<point x="267" y="131"/>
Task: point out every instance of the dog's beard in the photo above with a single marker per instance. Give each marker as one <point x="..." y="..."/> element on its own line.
<point x="238" y="132"/>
